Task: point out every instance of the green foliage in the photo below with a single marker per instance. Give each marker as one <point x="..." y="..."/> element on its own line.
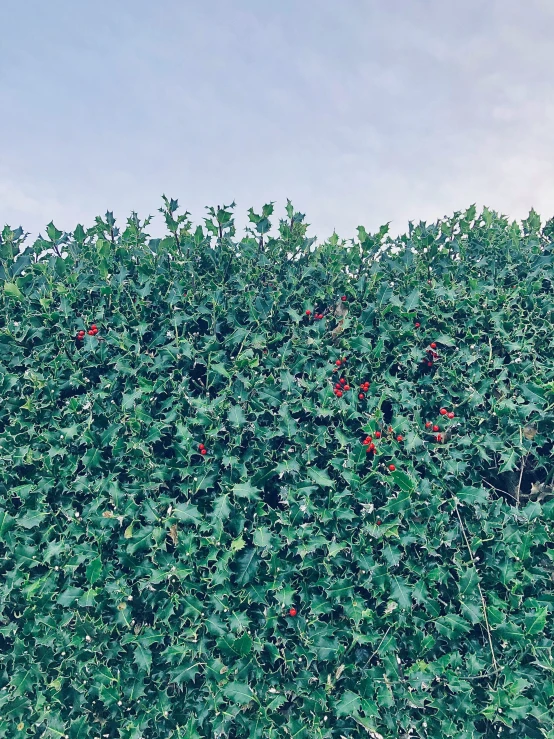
<point x="145" y="588"/>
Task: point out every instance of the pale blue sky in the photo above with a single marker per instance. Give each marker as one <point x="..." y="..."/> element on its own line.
<point x="359" y="112"/>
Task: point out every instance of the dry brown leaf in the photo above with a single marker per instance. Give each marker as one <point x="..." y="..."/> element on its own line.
<point x="529" y="432"/>
<point x="173" y="535"/>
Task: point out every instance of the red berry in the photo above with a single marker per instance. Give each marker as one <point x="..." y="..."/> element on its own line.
<point x="94" y="331"/>
<point x="339" y="393"/>
<point x="436" y="428"/>
<point x="90" y="333"/>
<point x="361" y="396"/>
<point x="429" y="364"/>
<point x="201" y="446"/>
<point x="392" y="467"/>
<point x="372" y="446"/>
<point x="347" y="387"/>
<point x="439" y="437"/>
<point x="433" y="345"/>
<point x="443" y="411"/>
<point x="417" y="325"/>
<point x="377" y="434"/>
<point x="203" y="451"/>
<point x="320" y="316"/>
<point x="342" y="381"/>
<point x="399" y="438"/>
<point x="338" y="363"/>
<point x="378" y="522"/>
<point x="93" y="326"/>
<point x="343" y="298"/>
<point x="428" y="425"/>
<point x="450" y="415"/>
<point x="390" y="429"/>
<point x="369" y="448"/>
<point x="308" y="312"/>
<point x="293" y="611"/>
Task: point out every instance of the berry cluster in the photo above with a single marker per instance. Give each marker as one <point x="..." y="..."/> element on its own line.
<point x="435" y="427"/>
<point x="365" y="387"/>
<point x="341" y="386"/>
<point x="431" y="354"/>
<point x="93" y="330"/>
<point x="202" y="449"/>
<point x="319" y="316"/>
<point x="370" y="445"/>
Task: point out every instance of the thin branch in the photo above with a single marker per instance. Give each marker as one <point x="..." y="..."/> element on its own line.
<point x="499" y="490"/>
<point x="483" y="603"/>
<point x="523" y="463"/>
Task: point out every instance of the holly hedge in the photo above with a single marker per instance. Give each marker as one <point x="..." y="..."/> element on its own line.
<point x="268" y="487"/>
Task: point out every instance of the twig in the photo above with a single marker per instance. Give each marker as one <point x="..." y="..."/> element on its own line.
<point x="523" y="463"/>
<point x="499" y="490"/>
<point x="483" y="603"/>
<point x="379" y="647"/>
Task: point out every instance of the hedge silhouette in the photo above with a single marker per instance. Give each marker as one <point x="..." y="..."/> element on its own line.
<point x="265" y="487"/>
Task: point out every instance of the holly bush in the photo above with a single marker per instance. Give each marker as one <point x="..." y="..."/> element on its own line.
<point x="268" y="487"/>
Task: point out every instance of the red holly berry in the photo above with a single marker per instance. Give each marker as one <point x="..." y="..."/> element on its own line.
<point x="90" y="333"/>
<point x="399" y="438"/>
<point x="343" y="298"/>
<point x="372" y="446"/>
<point x="436" y="428"/>
<point x="320" y="316"/>
<point x="429" y="364"/>
<point x="93" y="326"/>
<point x="450" y="415"/>
<point x="369" y="448"/>
<point x="308" y="312"/>
<point x="378" y="522"/>
<point x="443" y="411"/>
<point x="433" y="345"/>
<point x="390" y="429"/>
<point x="392" y="467"/>
<point x="201" y="446"/>
<point x="292" y="611"/>
<point x="203" y="451"/>
<point x="417" y="325"/>
<point x="94" y="331"/>
<point x="342" y="381"/>
<point x="428" y="425"/>
<point x="377" y="434"/>
<point x="347" y="387"/>
<point x="339" y="393"/>
<point x="338" y="363"/>
<point x="361" y="396"/>
<point x="439" y="437"/>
